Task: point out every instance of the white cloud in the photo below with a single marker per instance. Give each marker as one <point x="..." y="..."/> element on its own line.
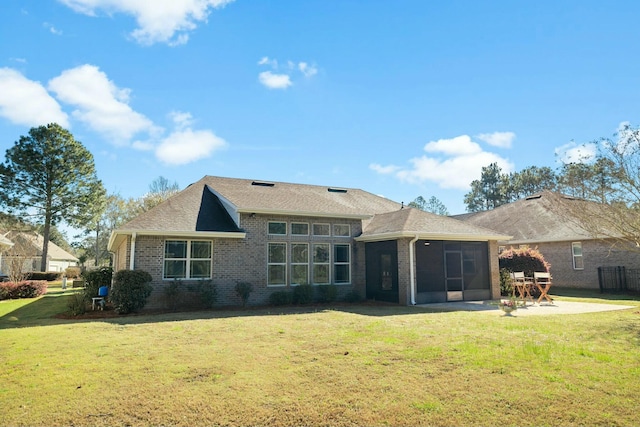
<point x="274" y="81"/>
<point x="576" y="153"/>
<point x="100" y="103"/>
<point x="181" y="119"/>
<point x="186" y="146"/>
<point x="450" y="163"/>
<point x="282" y="79"/>
<point x="307" y="70"/>
<point x="52" y="29"/>
<point x="498" y="139"/>
<point x="27" y="102"/>
<point x="159" y="21"/>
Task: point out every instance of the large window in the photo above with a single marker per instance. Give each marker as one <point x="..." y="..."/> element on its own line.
<point x="299" y="263"/>
<point x="341" y="264"/>
<point x="341" y="230"/>
<point x="576" y="250"/>
<point x="299" y="229"/>
<point x="278" y="228"/>
<point x="277" y="264"/>
<point x="321" y="264"/>
<point x="321" y="230"/>
<point x="187" y="259"/>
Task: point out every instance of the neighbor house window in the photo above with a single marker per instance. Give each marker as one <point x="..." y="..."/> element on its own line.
<point x="342" y="264"/>
<point x="277" y="264"/>
<point x="299" y="263"/>
<point x="278" y="228"/>
<point x="187" y="259"/>
<point x="299" y="229"/>
<point x="321" y="263"/>
<point x="321" y="230"/>
<point x="578" y="262"/>
<point x="341" y="230"/>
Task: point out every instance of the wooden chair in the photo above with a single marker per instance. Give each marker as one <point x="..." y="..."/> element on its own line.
<point x="522" y="285"/>
<point x="543" y="282"/>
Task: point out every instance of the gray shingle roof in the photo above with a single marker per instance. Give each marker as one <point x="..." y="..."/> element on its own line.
<point x="411" y="222"/>
<point x="181" y="212"/>
<point x="544" y="217"/>
<point x="35" y="242"/>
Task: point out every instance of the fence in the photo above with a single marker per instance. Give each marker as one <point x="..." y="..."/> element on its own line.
<point x="619" y="279"/>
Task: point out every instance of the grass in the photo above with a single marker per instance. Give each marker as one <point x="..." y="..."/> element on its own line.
<point x="350" y="365"/>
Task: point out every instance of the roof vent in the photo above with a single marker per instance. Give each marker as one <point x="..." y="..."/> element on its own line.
<point x="263" y="184"/>
<point x="533" y="197"/>
<point x="336" y="190"/>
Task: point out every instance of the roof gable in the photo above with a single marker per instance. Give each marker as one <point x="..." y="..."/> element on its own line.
<point x="33" y="242"/>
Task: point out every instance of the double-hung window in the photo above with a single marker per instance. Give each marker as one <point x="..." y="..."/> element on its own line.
<point x="576" y="251"/>
<point x="277" y="264"/>
<point x="321" y="254"/>
<point x="342" y="264"/>
<point x="187" y="259"/>
<point x="299" y="263"/>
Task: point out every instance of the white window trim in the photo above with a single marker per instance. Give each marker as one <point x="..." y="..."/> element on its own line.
<point x="188" y="260"/>
<point x="285" y="263"/>
<point x="292" y="264"/>
<point x="321" y="235"/>
<point x="342" y="235"/>
<point x="299" y="223"/>
<point x="277" y="222"/>
<point x="328" y="263"/>
<point x="348" y="263"/>
<point x="574" y="256"/>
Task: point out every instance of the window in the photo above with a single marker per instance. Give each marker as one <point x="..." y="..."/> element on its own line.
<point x="299" y="263"/>
<point x="299" y="229"/>
<point x="341" y="264"/>
<point x="576" y="250"/>
<point x="321" y="263"/>
<point x="278" y="228"/>
<point x="341" y="230"/>
<point x="186" y="259"/>
<point x="321" y="230"/>
<point x="277" y="264"/>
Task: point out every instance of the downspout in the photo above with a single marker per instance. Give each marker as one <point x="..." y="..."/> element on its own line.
<point x="132" y="256"/>
<point x="412" y="269"/>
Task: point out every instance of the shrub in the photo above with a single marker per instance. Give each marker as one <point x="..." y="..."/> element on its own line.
<point x="523" y="259"/>
<point x="72" y="272"/>
<point x="77" y="305"/>
<point x="506" y="282"/>
<point x="207" y="293"/>
<point x="47" y="276"/>
<point x="327" y="293"/>
<point x="281" y="298"/>
<point x="303" y="294"/>
<point x="243" y="290"/>
<point x="172" y="295"/>
<point x="130" y="290"/>
<point x="94" y="279"/>
<point x="352" y="296"/>
<point x="24" y="289"/>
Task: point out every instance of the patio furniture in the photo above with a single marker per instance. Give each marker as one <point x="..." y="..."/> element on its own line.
<point x="543" y="283"/>
<point x="522" y="285"/>
<point x="103" y="291"/>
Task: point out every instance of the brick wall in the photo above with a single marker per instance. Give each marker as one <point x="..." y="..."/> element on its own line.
<point x="245" y="260"/>
<point x="595" y="254"/>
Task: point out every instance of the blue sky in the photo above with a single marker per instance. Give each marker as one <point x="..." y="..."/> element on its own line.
<point x="400" y="98"/>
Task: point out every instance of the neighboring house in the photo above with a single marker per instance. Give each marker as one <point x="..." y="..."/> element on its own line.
<point x="545" y="221"/>
<point x="277" y="235"/>
<point x="5" y="244"/>
<point x="27" y="250"/>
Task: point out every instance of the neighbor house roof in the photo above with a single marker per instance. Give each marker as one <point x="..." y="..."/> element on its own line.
<point x="4" y="241"/>
<point x="411" y="222"/>
<point x="35" y="241"/>
<point x="543" y="217"/>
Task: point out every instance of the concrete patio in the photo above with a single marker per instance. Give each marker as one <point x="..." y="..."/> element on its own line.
<point x="541" y="309"/>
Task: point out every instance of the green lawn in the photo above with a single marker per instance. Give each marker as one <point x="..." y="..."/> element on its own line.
<point x="350" y="365"/>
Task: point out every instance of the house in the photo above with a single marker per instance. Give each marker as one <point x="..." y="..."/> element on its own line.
<point x="27" y="252"/>
<point x="547" y="221"/>
<point x="4" y="245"/>
<point x="277" y="235"/>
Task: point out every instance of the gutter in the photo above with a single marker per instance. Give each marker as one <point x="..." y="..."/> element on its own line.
<point x="412" y="269"/>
